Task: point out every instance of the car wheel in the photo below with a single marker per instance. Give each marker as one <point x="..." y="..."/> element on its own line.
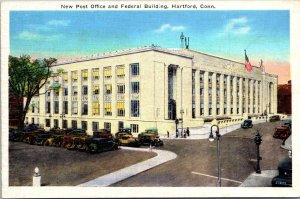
<point x="46" y="143"/>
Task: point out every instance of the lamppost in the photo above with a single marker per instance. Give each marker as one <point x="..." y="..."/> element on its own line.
<point x="211" y="139"/>
<point x="257" y="141"/>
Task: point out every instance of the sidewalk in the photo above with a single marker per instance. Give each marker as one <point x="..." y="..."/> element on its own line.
<point x="260" y="180"/>
<point x="204" y="131"/>
<point x="122" y="174"/>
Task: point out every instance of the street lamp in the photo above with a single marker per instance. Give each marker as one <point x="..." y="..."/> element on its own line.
<point x="211" y="139"/>
<point x="257" y="141"/>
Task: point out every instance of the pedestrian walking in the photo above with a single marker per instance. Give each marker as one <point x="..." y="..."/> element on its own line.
<point x="168" y="134"/>
<point x="188" y="131"/>
<point x="176" y="133"/>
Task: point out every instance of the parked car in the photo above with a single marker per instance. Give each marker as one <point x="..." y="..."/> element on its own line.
<point x="282" y="132"/>
<point x="128" y="140"/>
<point x="69" y="140"/>
<point x="287" y="123"/>
<point x="30" y="136"/>
<point x="284" y="178"/>
<point x="150" y="136"/>
<point x="96" y="145"/>
<point x="274" y="118"/>
<point x="247" y="124"/>
<point x="40" y="139"/>
<point x="15" y="135"/>
<point x="123" y="131"/>
<point x="102" y="133"/>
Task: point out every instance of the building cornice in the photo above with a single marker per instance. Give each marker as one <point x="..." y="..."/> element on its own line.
<point x="124" y="52"/>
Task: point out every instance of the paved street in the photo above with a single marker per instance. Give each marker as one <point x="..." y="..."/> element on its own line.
<point x="196" y="162"/>
<point x="195" y="165"/>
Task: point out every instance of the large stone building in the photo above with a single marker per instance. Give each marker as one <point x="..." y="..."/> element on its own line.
<point x="151" y="87"/>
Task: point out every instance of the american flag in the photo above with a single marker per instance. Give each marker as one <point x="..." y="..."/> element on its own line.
<point x="247" y="63"/>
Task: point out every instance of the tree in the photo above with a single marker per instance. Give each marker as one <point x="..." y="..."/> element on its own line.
<point x="26" y="78"/>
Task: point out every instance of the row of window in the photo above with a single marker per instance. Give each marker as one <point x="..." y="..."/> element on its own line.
<point x="84" y="125"/>
<point x="135" y="88"/>
<point x="107" y="73"/>
<point x="225" y="111"/>
<point x="135" y="108"/>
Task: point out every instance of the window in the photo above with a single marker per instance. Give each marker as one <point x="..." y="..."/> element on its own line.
<point x="48" y="93"/>
<point x="84" y="125"/>
<point x="95" y="73"/>
<point x="107" y="108"/>
<point x="107" y="126"/>
<point x="84" y="109"/>
<point x="32" y="120"/>
<point x="95" y="108"/>
<point x="65" y="77"/>
<point x="74" y="90"/>
<point x="74" y="108"/>
<point x="135" y="87"/>
<point x="107" y="88"/>
<point x="48" y="108"/>
<point x="201" y="92"/>
<point x="84" y="75"/>
<point x="84" y="90"/>
<point x="135" y="69"/>
<point x="56" y="93"/>
<point x="121" y="89"/>
<point x="135" y="108"/>
<point x="120" y="71"/>
<point x="201" y="76"/>
<point x="47" y="121"/>
<point x="74" y="124"/>
<point x="56" y="107"/>
<point x="74" y="76"/>
<point x="32" y="109"/>
<point x="65" y="124"/>
<point x="65" y="91"/>
<point x="121" y="108"/>
<point x="95" y="89"/>
<point x="65" y="107"/>
<point x="95" y="126"/>
<point x="201" y="109"/>
<point x="55" y="123"/>
<point x="107" y="72"/>
<point x="134" y="128"/>
<point x="209" y="77"/>
<point x="120" y="125"/>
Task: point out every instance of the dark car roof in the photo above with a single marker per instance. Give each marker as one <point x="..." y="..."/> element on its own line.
<point x="285" y="163"/>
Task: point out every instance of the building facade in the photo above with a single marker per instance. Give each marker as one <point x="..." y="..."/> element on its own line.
<point x="285" y="98"/>
<point x="151" y="87"/>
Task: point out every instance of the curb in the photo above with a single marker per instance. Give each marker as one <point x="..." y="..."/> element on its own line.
<point x="122" y="174"/>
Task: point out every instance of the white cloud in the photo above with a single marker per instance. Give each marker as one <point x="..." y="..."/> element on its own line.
<point x="169" y="27"/>
<point x="33" y="36"/>
<point x="26" y="35"/>
<point x="237" y="26"/>
<point x="59" y="22"/>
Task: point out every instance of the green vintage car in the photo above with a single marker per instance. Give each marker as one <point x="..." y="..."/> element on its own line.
<point x="150" y="137"/>
<point x="96" y="145"/>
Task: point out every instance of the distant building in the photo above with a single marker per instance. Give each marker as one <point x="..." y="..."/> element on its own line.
<point x="152" y="87"/>
<point x="285" y="98"/>
<point x="13" y="112"/>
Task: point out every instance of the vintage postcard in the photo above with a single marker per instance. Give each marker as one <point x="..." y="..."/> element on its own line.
<point x="149" y="99"/>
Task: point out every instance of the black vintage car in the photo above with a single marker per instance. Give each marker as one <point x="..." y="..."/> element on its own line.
<point x="96" y="145"/>
<point x="274" y="118"/>
<point x="247" y="124"/>
<point x="40" y="139"/>
<point x="284" y="179"/>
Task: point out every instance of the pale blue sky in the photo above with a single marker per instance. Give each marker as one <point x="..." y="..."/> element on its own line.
<point x="265" y="34"/>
